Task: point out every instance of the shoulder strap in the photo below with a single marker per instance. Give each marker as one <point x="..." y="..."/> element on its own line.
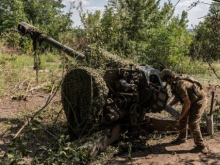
<point x="190" y="79"/>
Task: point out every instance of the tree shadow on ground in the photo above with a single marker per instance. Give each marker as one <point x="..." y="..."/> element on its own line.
<point x="35" y="132"/>
<point x="11" y="126"/>
<point x="141" y="151"/>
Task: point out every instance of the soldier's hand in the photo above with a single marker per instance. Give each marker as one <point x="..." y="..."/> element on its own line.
<point x="179" y="117"/>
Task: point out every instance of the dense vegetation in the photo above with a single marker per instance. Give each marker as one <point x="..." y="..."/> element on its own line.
<point x="143" y="31"/>
<point x="140" y="30"/>
<point x="206" y="41"/>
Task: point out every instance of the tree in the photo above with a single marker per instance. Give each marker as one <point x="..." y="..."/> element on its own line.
<point x="206" y="44"/>
<point x="48" y="16"/>
<point x="11" y="13"/>
<point x="141" y="30"/>
<point x="125" y="25"/>
<point x="169" y="44"/>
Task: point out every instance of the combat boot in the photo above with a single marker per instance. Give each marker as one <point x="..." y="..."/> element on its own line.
<point x="200" y="148"/>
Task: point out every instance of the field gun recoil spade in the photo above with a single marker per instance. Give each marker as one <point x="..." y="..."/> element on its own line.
<point x="114" y="100"/>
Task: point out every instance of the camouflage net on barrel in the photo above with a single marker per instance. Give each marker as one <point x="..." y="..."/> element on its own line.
<point x="99" y="58"/>
<point x="83" y="96"/>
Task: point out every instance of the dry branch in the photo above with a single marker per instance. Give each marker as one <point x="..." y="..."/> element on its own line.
<point x="49" y="99"/>
<point x="38" y="87"/>
<point x="213" y="69"/>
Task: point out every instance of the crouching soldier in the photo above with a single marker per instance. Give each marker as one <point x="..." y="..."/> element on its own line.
<point x="193" y="98"/>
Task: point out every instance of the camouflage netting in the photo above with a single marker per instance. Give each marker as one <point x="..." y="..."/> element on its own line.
<point x="99" y="58"/>
<point x="83" y="96"/>
<point x="84" y="90"/>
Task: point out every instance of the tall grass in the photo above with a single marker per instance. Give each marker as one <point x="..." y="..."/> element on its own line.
<point x="188" y="66"/>
<point x="16" y="71"/>
<point x="49" y="59"/>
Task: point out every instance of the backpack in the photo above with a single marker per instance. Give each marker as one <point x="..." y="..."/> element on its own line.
<point x="196" y="89"/>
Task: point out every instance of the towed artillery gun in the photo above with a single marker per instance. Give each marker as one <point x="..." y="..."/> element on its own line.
<point x="113" y="99"/>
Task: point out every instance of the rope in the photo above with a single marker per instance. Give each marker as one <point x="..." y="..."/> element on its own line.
<point x="37" y="62"/>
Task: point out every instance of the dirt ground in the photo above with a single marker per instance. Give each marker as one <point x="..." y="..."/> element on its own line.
<point x="10" y="111"/>
<point x="159" y="152"/>
<point x="162" y="152"/>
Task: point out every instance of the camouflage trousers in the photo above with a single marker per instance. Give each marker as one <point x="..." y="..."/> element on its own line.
<point x="192" y="120"/>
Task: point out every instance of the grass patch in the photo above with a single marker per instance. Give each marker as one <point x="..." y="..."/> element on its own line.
<point x="48" y="59"/>
<point x="192" y="67"/>
<point x="18" y="76"/>
<point x="22" y="61"/>
<point x="207" y="79"/>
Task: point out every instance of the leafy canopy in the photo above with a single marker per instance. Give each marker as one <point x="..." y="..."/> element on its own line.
<point x="142" y="30"/>
<point x="206" y="44"/>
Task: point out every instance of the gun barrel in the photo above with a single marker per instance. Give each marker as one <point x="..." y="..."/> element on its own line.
<point x="64" y="48"/>
<point x="24" y="28"/>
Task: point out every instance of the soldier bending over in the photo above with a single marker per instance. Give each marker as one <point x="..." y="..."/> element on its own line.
<point x="193" y="98"/>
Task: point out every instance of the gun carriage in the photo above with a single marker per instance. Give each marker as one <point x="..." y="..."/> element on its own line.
<point x="114" y="99"/>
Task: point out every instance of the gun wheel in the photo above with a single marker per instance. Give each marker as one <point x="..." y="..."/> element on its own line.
<point x="83" y="96"/>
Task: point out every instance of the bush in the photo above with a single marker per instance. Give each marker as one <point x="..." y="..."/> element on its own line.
<point x="187" y="66"/>
<point x="15" y="40"/>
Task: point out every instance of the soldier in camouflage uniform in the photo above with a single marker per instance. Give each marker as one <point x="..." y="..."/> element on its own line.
<point x="193" y="98"/>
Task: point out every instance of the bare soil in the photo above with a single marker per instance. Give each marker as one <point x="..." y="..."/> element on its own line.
<point x="13" y="114"/>
<point x="157" y="151"/>
<point x="162" y="152"/>
<point x="11" y="51"/>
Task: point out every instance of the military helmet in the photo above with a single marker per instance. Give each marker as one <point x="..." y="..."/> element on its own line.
<point x="166" y="73"/>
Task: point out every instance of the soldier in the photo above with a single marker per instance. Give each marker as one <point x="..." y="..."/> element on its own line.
<point x="193" y="98"/>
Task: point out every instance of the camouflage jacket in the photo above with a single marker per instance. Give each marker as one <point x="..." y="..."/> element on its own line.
<point x="187" y="86"/>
